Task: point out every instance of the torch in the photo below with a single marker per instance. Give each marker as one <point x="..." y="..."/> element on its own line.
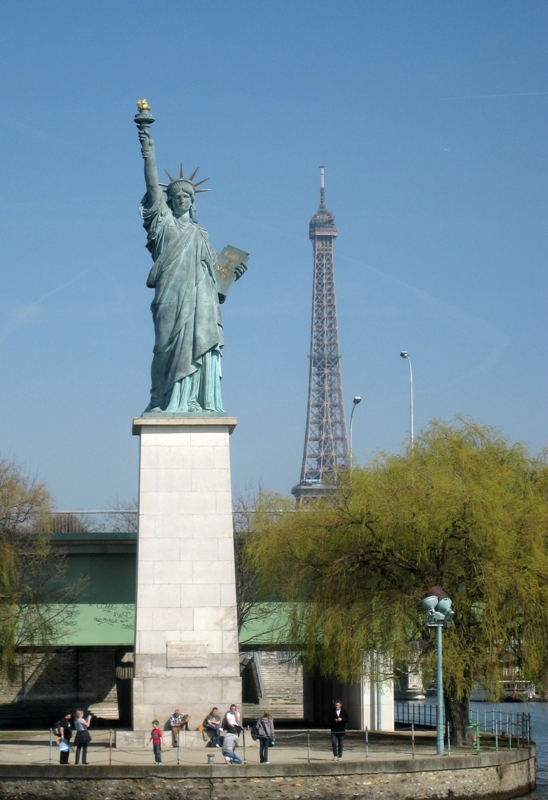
<point x="144" y="118"/>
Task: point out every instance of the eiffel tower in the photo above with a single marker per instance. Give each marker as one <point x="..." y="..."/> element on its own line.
<point x="325" y="442"/>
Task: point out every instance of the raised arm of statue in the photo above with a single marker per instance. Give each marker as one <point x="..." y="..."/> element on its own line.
<point x="154" y="191"/>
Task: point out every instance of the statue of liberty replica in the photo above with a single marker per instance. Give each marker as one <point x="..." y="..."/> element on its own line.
<point x="190" y="281"/>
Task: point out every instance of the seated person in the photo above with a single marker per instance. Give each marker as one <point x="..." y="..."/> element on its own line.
<point x="233" y="720"/>
<point x="212" y="723"/>
<point x="178" y="722"/>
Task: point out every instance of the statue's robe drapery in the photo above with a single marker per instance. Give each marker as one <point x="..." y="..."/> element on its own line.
<point x="186" y="367"/>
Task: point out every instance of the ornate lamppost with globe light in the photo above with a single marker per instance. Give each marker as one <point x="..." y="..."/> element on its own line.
<point x="439" y="614"/>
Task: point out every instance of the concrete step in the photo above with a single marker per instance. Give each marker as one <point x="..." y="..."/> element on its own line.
<point x="279" y="711"/>
<point x="283" y="687"/>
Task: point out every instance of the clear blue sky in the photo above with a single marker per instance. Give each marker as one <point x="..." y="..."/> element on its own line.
<point x="431" y="120"/>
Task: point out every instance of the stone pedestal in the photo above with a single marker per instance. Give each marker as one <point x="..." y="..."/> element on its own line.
<point x="186" y="638"/>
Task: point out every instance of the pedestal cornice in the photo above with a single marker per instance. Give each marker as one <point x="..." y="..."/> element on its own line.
<point x="186" y="420"/>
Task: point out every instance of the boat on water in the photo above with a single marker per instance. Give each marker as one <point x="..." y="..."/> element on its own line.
<point x="515" y="691"/>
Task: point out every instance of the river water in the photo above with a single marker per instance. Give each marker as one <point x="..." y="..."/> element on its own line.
<point x="539" y="733"/>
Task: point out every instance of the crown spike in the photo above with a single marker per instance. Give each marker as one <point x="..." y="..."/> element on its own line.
<point x="199" y="183"/>
<point x="171" y="178"/>
<point x="193" y="174"/>
<point x="198" y="191"/>
<point x="181" y="176"/>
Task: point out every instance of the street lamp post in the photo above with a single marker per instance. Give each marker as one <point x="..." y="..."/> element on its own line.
<point x="355" y="402"/>
<point x="405" y="354"/>
<point x="438" y="615"/>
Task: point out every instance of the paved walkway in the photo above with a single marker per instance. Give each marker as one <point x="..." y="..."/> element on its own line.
<point x="292" y="747"/>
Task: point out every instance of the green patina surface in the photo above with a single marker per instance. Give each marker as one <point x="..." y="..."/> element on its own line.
<point x="105" y="613"/>
<point x="96" y="624"/>
<point x="268" y="627"/>
<point x="99" y="624"/>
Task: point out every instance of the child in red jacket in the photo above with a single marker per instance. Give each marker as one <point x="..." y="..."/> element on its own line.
<point x="156" y="735"/>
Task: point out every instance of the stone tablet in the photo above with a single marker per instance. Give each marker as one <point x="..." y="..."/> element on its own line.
<point x="187" y="654"/>
<point x="227" y="261"/>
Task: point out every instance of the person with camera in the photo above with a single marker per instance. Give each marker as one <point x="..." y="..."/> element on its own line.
<point x="82" y="738"/>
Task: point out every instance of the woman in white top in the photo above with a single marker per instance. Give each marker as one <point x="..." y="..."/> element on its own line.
<point x="82" y="739"/>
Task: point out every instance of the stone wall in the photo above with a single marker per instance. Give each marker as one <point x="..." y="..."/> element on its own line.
<point x="500" y="775"/>
<point x="63" y="679"/>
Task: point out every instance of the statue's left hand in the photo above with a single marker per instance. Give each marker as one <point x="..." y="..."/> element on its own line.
<point x="240" y="269"/>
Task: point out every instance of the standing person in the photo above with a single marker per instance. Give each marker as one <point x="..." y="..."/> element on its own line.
<point x="213" y="723"/>
<point x="65" y="729"/>
<point x="156" y="735"/>
<point x="233" y="720"/>
<point x="265" y="732"/>
<point x="82" y="738"/>
<point x="338" y="719"/>
<point x="178" y="722"/>
<point x="230" y="743"/>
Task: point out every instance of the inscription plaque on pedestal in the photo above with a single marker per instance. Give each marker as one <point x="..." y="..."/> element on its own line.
<point x="187" y="654"/>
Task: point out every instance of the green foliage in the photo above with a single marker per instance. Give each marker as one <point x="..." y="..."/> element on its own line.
<point x="465" y="510"/>
<point x="252" y="509"/>
<point x="33" y="604"/>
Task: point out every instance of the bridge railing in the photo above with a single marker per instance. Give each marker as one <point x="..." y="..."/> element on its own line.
<point x="117" y="521"/>
<point x="110" y="521"/>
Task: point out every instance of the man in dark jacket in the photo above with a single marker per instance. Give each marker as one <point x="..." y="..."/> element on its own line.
<point x="65" y="728"/>
<point x="338" y="719"/>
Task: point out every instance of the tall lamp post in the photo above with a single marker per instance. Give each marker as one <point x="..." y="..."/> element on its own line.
<point x="355" y="402"/>
<point x="438" y="615"/>
<point x="405" y="354"/>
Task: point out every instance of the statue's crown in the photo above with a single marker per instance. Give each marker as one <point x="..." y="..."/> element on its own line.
<point x="183" y="183"/>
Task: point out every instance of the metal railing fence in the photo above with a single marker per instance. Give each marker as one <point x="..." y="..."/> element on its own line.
<point x="292" y="747"/>
<point x="415" y="714"/>
<point x="514" y="724"/>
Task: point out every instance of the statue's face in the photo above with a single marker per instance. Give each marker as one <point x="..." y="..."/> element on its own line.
<point x="180" y="203"/>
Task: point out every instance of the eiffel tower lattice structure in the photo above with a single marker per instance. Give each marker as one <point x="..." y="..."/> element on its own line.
<point x="325" y="442"/>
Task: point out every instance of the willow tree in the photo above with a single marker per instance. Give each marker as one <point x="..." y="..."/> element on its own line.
<point x="252" y="508"/>
<point x="464" y="509"/>
<point x="35" y="604"/>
